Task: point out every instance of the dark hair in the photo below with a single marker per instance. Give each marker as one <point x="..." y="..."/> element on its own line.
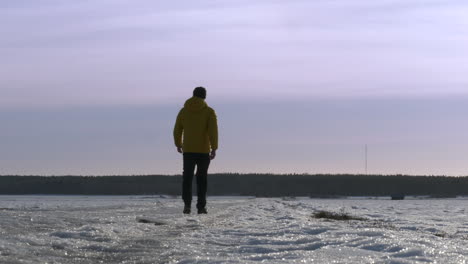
<point x="200" y="92"/>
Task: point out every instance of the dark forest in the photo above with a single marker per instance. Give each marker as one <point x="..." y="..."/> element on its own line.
<point x="259" y="185"/>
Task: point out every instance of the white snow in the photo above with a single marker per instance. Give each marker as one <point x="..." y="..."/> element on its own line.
<point x="152" y="229"/>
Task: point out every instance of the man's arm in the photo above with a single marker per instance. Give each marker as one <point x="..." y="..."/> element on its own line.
<point x="213" y="133"/>
<point x="178" y="130"/>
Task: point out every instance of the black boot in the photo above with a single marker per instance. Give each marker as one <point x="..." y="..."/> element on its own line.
<point x="202" y="210"/>
<point x="187" y="209"/>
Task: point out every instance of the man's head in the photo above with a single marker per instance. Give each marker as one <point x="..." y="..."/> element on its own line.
<point x="200" y="92"/>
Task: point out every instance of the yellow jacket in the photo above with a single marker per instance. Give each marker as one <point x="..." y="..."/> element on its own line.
<point x="197" y="123"/>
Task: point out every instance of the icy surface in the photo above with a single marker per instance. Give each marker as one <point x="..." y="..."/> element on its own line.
<point x="151" y="229"/>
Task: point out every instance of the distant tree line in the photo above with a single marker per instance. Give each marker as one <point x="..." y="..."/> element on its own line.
<point x="260" y="185"/>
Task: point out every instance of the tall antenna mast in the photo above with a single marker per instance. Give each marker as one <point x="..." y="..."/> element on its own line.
<point x="365" y="151"/>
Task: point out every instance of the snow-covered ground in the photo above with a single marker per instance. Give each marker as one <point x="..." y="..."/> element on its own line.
<point x="108" y="229"/>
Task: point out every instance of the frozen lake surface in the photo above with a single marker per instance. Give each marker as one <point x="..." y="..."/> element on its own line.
<point x="109" y="229"/>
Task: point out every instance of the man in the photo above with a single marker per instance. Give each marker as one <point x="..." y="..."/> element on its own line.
<point x="197" y="123"/>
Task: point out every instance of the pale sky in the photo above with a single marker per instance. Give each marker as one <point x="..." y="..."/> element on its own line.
<point x="93" y="87"/>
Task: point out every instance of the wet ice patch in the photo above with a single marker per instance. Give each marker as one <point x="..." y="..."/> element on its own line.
<point x="150" y="220"/>
<point x="88" y="233"/>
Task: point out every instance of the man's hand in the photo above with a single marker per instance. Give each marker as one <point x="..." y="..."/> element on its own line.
<point x="179" y="150"/>
<point x="213" y="154"/>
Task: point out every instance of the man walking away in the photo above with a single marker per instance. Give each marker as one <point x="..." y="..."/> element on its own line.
<point x="197" y="124"/>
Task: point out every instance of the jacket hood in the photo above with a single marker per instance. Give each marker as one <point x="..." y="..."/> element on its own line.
<point x="195" y="104"/>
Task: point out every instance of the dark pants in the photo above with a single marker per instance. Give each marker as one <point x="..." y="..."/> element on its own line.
<point x="202" y="161"/>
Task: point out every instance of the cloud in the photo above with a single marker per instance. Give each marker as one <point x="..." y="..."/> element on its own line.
<point x="147" y="51"/>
